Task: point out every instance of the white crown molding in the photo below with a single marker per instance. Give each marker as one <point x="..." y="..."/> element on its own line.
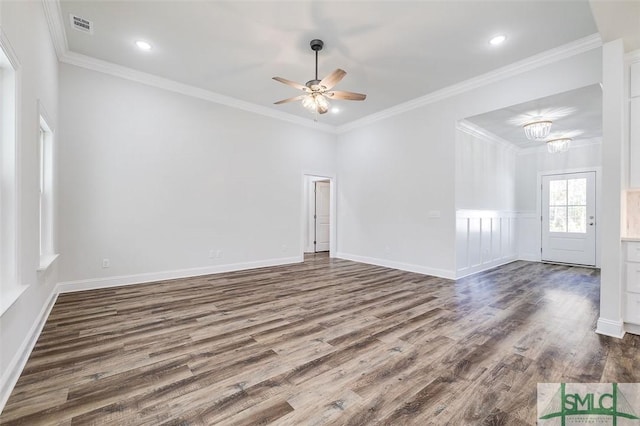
<point x="105" y="67"/>
<point x="578" y="143"/>
<point x="6" y="47"/>
<point x="632" y="56"/>
<point x="53" y="13"/>
<point x="55" y="20"/>
<point x="576" y="47"/>
<point x="485" y="135"/>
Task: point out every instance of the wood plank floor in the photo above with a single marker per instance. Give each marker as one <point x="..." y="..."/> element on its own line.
<point x="322" y="342"/>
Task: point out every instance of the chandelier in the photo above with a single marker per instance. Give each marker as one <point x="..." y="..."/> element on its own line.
<point x="558" y="145"/>
<point x="537" y="130"/>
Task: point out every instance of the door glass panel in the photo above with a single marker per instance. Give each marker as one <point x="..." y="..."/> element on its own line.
<point x="577" y="219"/>
<point x="577" y="192"/>
<point x="558" y="193"/>
<point x="567" y="205"/>
<point x="558" y="219"/>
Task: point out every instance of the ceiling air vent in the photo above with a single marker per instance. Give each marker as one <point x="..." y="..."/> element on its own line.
<point x="81" y="24"/>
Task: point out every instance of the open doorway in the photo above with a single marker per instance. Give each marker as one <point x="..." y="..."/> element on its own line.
<point x="551" y="193"/>
<point x="321" y="216"/>
<point x="318" y="214"/>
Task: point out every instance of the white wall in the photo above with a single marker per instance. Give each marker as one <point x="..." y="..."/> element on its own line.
<point x="485" y="207"/>
<point x="485" y="171"/>
<point x="394" y="174"/>
<point x="396" y="195"/>
<point x="25" y="27"/>
<point x="530" y="165"/>
<point x="154" y="181"/>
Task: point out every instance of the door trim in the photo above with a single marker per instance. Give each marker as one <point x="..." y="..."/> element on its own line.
<point x="332" y="210"/>
<point x="315" y="216"/>
<point x="598" y="172"/>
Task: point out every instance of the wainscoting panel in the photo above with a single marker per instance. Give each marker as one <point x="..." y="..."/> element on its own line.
<point x="529" y="236"/>
<point x="484" y="239"/>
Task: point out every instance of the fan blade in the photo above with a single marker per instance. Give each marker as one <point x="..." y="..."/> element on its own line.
<point x="291" y="83"/>
<point x="349" y="96"/>
<point x="296" y="98"/>
<point x="332" y="79"/>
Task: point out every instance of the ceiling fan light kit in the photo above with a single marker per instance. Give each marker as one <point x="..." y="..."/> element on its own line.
<point x="316" y="102"/>
<point x="317" y="92"/>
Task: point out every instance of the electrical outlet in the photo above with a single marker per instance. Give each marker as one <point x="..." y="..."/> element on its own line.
<point x="284" y="248"/>
<point x="106" y="263"/>
<point x="219" y="254"/>
<point x="212" y="254"/>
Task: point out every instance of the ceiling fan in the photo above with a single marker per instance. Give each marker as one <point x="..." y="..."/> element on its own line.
<point x="318" y="92"/>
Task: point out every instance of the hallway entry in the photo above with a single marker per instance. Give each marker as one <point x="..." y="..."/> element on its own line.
<point x="321" y="215"/>
<point x="318" y="214"/>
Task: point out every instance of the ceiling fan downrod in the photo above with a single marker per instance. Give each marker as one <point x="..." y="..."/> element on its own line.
<point x="316" y="46"/>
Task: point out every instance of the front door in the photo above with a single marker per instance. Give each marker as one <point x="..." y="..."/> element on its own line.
<point x="322" y="216"/>
<point x="569" y="218"/>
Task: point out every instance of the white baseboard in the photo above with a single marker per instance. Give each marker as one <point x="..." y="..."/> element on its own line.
<point x="632" y="328"/>
<point x="529" y="257"/>
<point x="10" y="377"/>
<point x="97" y="283"/>
<point x="484" y="267"/>
<point x="611" y="328"/>
<point x="442" y="273"/>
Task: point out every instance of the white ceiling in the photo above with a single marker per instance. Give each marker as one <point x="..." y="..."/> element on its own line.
<point x="618" y="19"/>
<point x="576" y="114"/>
<point x="394" y="51"/>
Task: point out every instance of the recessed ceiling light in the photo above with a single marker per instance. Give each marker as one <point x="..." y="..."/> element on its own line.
<point x="143" y="45"/>
<point x="496" y="40"/>
<point x="335" y="110"/>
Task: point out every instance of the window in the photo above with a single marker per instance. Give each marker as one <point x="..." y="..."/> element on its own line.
<point x="568" y="205"/>
<point x="45" y="179"/>
<point x="10" y="286"/>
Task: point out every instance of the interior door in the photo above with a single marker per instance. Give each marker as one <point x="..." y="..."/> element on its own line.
<point x="322" y="216"/>
<point x="569" y="218"/>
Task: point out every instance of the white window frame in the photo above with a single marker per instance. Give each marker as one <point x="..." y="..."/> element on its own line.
<point x="46" y="173"/>
<point x="10" y="283"/>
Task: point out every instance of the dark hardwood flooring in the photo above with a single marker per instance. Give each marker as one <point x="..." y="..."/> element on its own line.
<point x="322" y="342"/>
